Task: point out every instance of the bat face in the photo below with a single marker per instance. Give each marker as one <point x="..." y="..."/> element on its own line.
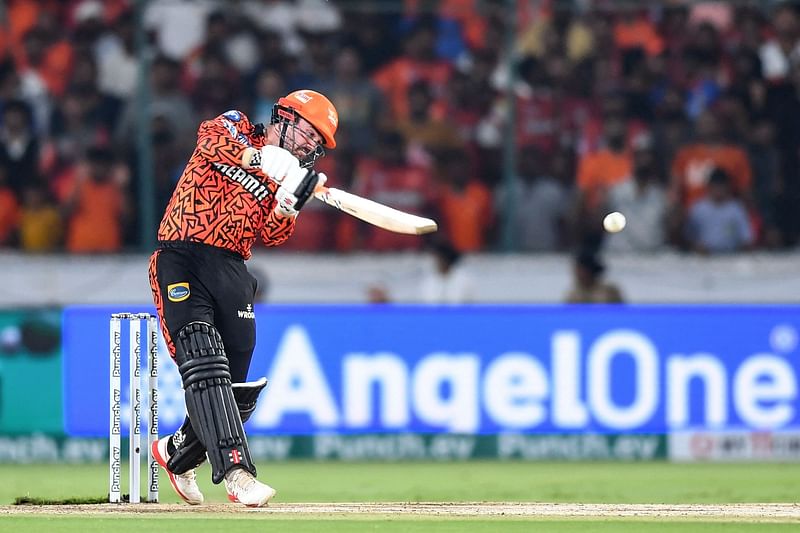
<point x="375" y="213"/>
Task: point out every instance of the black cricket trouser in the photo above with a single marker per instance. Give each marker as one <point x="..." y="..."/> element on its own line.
<point x="193" y="282"/>
<point x="196" y="282"/>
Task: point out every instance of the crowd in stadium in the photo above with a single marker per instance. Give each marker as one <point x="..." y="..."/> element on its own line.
<point x="684" y="116"/>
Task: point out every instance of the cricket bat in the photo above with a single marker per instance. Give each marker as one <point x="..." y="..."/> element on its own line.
<point x="375" y="213"/>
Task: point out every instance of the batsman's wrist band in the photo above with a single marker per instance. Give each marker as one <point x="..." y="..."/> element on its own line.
<point x="255" y="159"/>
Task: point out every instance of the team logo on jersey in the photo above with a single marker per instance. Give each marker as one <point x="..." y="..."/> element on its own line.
<point x="178" y="292"/>
<point x="232" y="115"/>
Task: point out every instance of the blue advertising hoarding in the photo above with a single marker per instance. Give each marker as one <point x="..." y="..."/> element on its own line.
<point x="484" y="369"/>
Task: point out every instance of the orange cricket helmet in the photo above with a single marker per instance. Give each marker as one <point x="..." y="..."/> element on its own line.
<point x="315" y="108"/>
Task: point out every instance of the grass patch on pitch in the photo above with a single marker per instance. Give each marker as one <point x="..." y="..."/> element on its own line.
<point x="28" y="500"/>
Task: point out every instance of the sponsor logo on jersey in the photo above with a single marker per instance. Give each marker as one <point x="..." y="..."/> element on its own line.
<point x="250" y="183"/>
<point x="232" y="115"/>
<point x="249" y="314"/>
<point x="178" y="292"/>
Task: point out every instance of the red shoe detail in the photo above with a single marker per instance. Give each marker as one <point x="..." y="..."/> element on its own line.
<point x="161" y="461"/>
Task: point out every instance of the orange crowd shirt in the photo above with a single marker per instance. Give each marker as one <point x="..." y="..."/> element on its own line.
<point x="467" y="215"/>
<point x="96" y="224"/>
<point x="694" y="163"/>
<point x="395" y="78"/>
<point x="597" y="171"/>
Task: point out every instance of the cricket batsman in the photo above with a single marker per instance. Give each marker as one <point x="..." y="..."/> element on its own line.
<point x="243" y="181"/>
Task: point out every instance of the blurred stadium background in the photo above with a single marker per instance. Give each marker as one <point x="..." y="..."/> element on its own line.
<point x="520" y="330"/>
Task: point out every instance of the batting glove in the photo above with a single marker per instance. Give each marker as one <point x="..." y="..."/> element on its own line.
<point x="295" y="191"/>
<point x="278" y="163"/>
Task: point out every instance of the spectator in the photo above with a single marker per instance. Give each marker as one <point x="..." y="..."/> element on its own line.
<point x="86" y="117"/>
<point x="537" y="200"/>
<point x="694" y="162"/>
<point x="448" y="282"/>
<point x="718" y="222"/>
<point x="464" y="202"/>
<point x="164" y="18"/>
<point x="671" y="127"/>
<point x="102" y="109"/>
<point x="217" y="33"/>
<point x="466" y="104"/>
<point x="451" y="16"/>
<point x="318" y="59"/>
<point x="378" y="293"/>
<point x="779" y="52"/>
<point x="45" y="59"/>
<point x="536" y="107"/>
<point x="767" y="179"/>
<point x="588" y="284"/>
<point x="418" y="62"/>
<point x="19" y="147"/>
<point x="9" y="83"/>
<point x="269" y="86"/>
<point x="748" y="31"/>
<point x="597" y="172"/>
<point x="643" y="200"/>
<point x="96" y="207"/>
<point x="289" y="19"/>
<point x="591" y="130"/>
<point x="167" y="100"/>
<point x="367" y="32"/>
<point x="748" y="84"/>
<point x="117" y="61"/>
<point x="168" y="162"/>
<point x="388" y="178"/>
<point x="423" y="132"/>
<point x="41" y="228"/>
<point x="632" y="31"/>
<point x="609" y="163"/>
<point x="216" y="87"/>
<point x="9" y="210"/>
<point x="702" y="75"/>
<point x="74" y="131"/>
<point x="783" y="108"/>
<point x="358" y="100"/>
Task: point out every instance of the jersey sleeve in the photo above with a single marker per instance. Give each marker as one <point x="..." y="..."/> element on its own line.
<point x="221" y="140"/>
<point x="277" y="228"/>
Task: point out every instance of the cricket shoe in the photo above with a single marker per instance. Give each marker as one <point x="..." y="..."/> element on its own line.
<point x="184" y="484"/>
<point x="244" y="488"/>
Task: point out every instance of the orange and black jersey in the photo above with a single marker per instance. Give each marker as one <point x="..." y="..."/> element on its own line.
<point x="216" y="201"/>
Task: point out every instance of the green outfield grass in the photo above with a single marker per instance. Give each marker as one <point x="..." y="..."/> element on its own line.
<point x="453" y="482"/>
<point x="429" y="482"/>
